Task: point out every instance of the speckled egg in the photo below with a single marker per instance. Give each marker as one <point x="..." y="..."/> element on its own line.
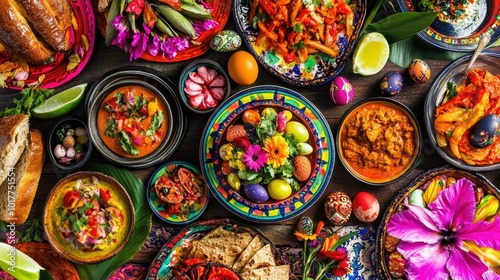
<point x="338" y="208"/>
<point x="365" y="207"/>
<point x="419" y="71"/>
<point x="391" y="83"/>
<point x="485" y="131"/>
<point x="341" y="91"/>
<point x="225" y="41"/>
<point x="256" y="193"/>
<point x="390" y="243"/>
<point x="305" y="225"/>
<point x="396" y="264"/>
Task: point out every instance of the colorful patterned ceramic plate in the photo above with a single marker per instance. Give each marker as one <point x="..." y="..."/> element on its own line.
<point x="318" y="69"/>
<point x="56" y="73"/>
<point x="382" y="266"/>
<point x="221" y="12"/>
<point x="168" y="257"/>
<point x="280" y="98"/>
<point x="160" y="208"/>
<point x="461" y="35"/>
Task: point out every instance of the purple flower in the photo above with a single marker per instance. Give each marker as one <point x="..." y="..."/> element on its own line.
<point x="123" y="28"/>
<point x="154" y="46"/>
<point x="171" y="46"/>
<point x="280" y="122"/>
<point x="432" y="240"/>
<point x="200" y="26"/>
<point x="138" y="45"/>
<point x="255" y="157"/>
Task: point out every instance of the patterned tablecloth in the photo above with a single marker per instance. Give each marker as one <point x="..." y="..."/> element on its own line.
<point x="361" y="248"/>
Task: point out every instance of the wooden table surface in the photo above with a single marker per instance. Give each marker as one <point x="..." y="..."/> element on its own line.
<point x="413" y="95"/>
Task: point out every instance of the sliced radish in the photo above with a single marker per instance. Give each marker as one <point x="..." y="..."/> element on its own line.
<point x="190" y="92"/>
<point x="203" y="72"/>
<point x="218" y="92"/>
<point x="212" y="73"/>
<point x="192" y="85"/>
<point x="218" y="81"/>
<point x="196" y="100"/>
<point x="195" y="77"/>
<point x="208" y="100"/>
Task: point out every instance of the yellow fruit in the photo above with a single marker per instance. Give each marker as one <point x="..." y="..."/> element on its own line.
<point x="243" y="68"/>
<point x="279" y="189"/>
<point x="370" y="55"/>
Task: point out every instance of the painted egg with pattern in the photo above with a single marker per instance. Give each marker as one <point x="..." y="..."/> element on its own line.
<point x="391" y="83"/>
<point x="396" y="264"/>
<point x="341" y="91"/>
<point x="485" y="131"/>
<point x="256" y="193"/>
<point x="305" y="225"/>
<point x="419" y="71"/>
<point x="365" y="207"/>
<point x="338" y="208"/>
<point x="225" y="41"/>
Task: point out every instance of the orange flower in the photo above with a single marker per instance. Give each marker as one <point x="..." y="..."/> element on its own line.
<point x="277" y="150"/>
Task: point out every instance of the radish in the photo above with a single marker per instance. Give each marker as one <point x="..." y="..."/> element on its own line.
<point x="205" y="87"/>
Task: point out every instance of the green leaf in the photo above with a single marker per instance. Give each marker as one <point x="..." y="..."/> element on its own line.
<point x="142" y="225"/>
<point x="400" y="26"/>
<point x="371" y="16"/>
<point x="114" y="10"/>
<point x="403" y="52"/>
<point x="343" y="239"/>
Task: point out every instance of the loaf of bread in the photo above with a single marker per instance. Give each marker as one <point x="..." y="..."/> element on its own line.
<point x="13" y="140"/>
<point x="18" y="38"/>
<point x="24" y="183"/>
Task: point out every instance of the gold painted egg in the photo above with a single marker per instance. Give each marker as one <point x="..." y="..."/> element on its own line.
<point x="225" y="41"/>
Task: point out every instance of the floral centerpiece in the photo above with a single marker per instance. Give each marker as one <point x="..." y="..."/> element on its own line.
<point x="158" y="27"/>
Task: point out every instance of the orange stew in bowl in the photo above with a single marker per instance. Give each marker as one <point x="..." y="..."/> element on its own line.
<point x="132" y="121"/>
<point x="378" y="141"/>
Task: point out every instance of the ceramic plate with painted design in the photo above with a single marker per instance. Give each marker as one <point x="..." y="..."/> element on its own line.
<point x="315" y="67"/>
<point x="323" y="155"/>
<point x="457" y="31"/>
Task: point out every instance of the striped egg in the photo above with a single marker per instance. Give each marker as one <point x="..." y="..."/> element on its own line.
<point x="225" y="41"/>
<point x="341" y="91"/>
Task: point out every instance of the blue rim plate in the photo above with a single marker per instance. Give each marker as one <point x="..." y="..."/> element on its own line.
<point x="159" y="207"/>
<point x="318" y="69"/>
<point x="461" y="35"/>
<point x="229" y="111"/>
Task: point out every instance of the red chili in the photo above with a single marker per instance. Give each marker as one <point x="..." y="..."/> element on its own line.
<point x="105" y="195"/>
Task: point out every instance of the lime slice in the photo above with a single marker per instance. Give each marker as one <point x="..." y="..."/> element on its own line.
<point x="370" y="55"/>
<point x="60" y="103"/>
<point x="18" y="264"/>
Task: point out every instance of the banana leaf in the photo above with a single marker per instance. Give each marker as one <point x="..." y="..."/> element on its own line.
<point x="142" y="225"/>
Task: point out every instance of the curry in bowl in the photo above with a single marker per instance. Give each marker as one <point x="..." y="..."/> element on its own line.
<point x="378" y="141"/>
<point x="88" y="217"/>
<point x="132" y="121"/>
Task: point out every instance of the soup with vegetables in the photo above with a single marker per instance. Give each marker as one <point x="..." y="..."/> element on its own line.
<point x="132" y="121"/>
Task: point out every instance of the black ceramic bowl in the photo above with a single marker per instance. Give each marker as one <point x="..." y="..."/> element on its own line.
<point x="184" y="86"/>
<point x="56" y="136"/>
<point x="165" y="92"/>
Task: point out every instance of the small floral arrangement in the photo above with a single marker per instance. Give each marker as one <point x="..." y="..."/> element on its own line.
<point x="322" y="254"/>
<point x="159" y="27"/>
<point x="264" y="150"/>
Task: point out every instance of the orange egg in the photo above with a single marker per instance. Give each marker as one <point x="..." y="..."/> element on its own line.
<point x="243" y="68"/>
<point x="419" y="71"/>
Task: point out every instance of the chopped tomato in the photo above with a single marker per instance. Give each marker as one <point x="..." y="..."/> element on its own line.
<point x="95" y="232"/>
<point x="105" y="195"/>
<point x="92" y="221"/>
<point x="70" y="198"/>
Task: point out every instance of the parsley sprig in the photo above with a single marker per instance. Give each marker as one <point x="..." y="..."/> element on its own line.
<point x="31" y="97"/>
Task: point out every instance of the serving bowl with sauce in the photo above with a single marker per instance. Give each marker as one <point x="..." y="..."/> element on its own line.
<point x="88" y="217"/>
<point x="135" y="118"/>
<point x="378" y="141"/>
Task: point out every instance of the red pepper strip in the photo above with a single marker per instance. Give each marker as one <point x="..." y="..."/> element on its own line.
<point x="290" y="57"/>
<point x="269" y="7"/>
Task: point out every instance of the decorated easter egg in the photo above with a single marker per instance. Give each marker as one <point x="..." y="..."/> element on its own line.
<point x="417" y="198"/>
<point x="341" y="91"/>
<point x="391" y="243"/>
<point x="225" y="41"/>
<point x="396" y="264"/>
<point x="305" y="225"/>
<point x="256" y="193"/>
<point x="338" y="208"/>
<point x="391" y="83"/>
<point x="419" y="71"/>
<point x="485" y="131"/>
<point x="365" y="207"/>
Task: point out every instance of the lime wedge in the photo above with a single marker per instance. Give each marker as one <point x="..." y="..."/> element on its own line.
<point x="18" y="264"/>
<point x="60" y="103"/>
<point x="371" y="54"/>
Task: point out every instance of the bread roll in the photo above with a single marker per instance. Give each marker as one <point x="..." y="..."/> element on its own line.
<point x="27" y="175"/>
<point x="17" y="36"/>
<point x="13" y="140"/>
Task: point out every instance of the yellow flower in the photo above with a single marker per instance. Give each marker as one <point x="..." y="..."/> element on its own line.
<point x="237" y="161"/>
<point x="277" y="150"/>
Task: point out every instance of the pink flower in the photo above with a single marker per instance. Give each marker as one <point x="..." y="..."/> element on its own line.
<point x="136" y="7"/>
<point x="280" y="122"/>
<point x="432" y="240"/>
<point x="255" y="157"/>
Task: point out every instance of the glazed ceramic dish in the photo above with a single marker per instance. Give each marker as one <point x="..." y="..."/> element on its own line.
<point x="193" y="204"/>
<point x="168" y="256"/>
<point x="369" y="173"/>
<point x="166" y="93"/>
<point x="461" y="35"/>
<point x="59" y="202"/>
<point x="55" y="73"/>
<point x="403" y="197"/>
<point x="488" y="61"/>
<point x="318" y="69"/>
<point x="323" y="154"/>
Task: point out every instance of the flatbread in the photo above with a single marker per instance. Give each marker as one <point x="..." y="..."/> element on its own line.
<point x="215" y="233"/>
<point x="224" y="249"/>
<point x="254" y="246"/>
<point x="280" y="272"/>
<point x="263" y="257"/>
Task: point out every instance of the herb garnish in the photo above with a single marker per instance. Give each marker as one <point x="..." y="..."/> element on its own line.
<point x="155" y="123"/>
<point x="31" y="97"/>
<point x="126" y="143"/>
